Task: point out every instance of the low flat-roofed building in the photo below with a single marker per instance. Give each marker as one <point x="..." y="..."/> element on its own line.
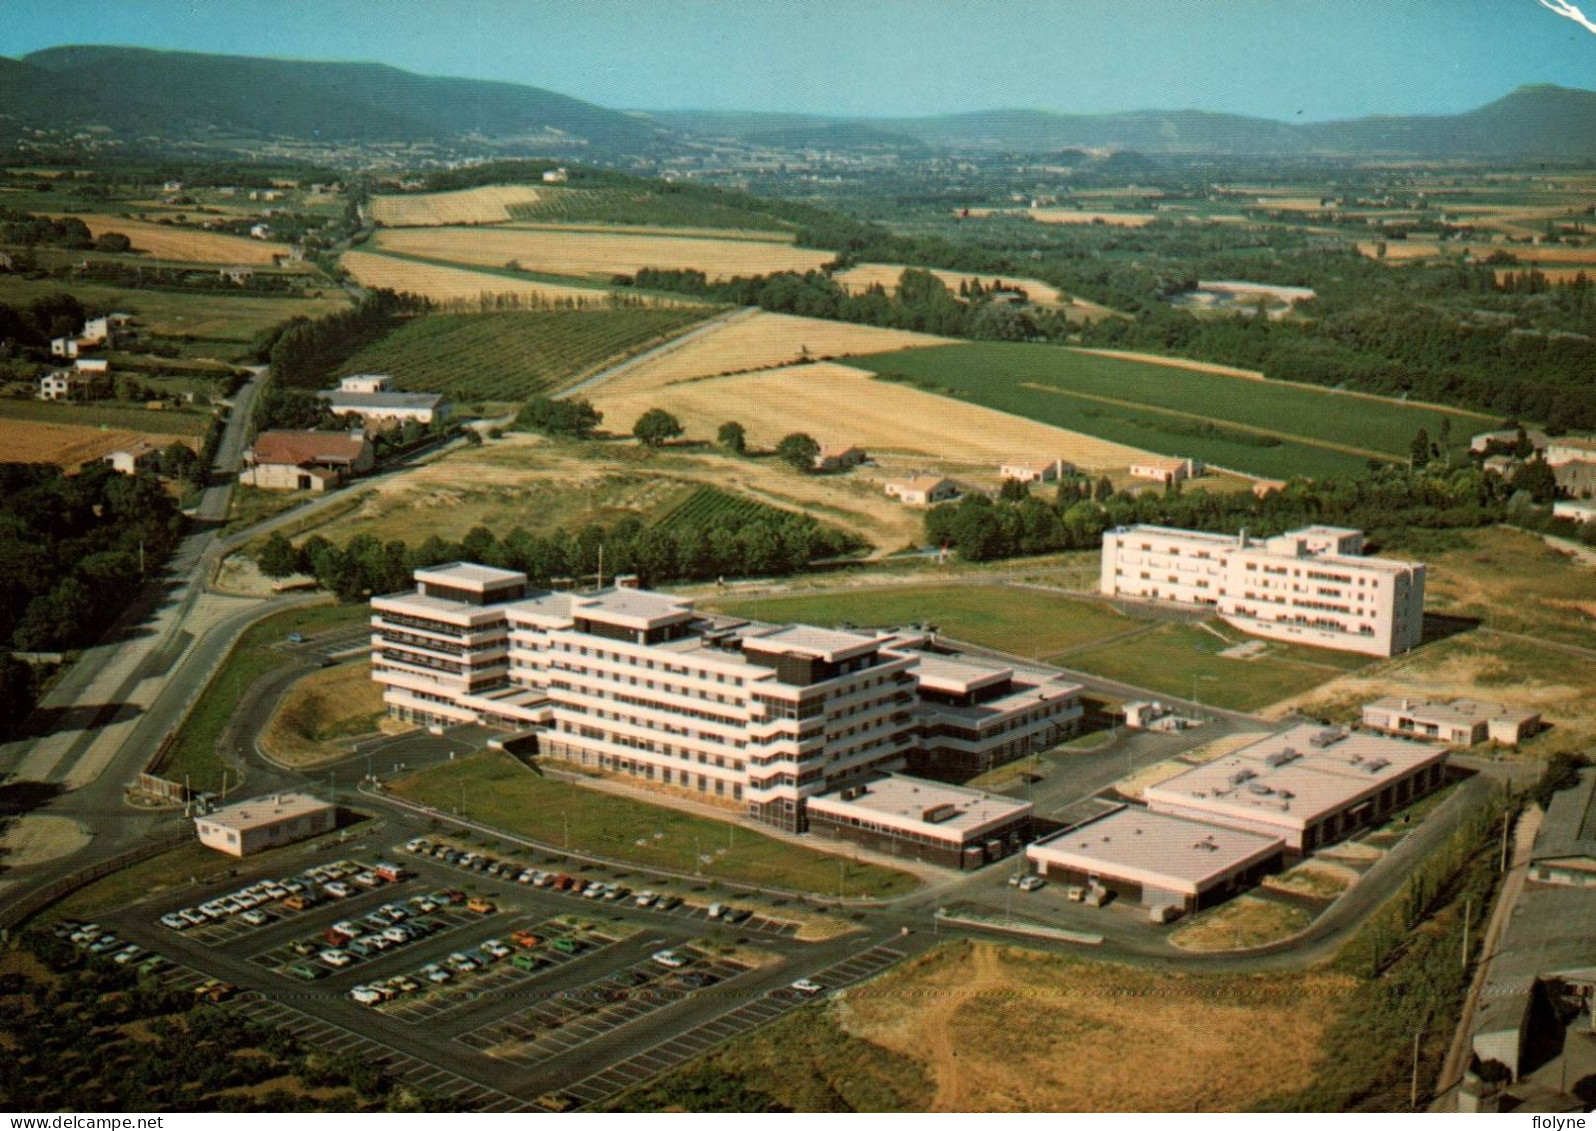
<point x="382" y="410"/>
<point x="1158" y="860"/>
<point x="1580" y="510"/>
<point x="923" y="820"/>
<point x="1311" y="785"/>
<point x="971" y="717"/>
<point x="922" y="490"/>
<point x="1036" y="470"/>
<point x="265" y="822"/>
<point x="1565" y="848"/>
<point x="1165" y="470"/>
<point x="1462" y="722"/>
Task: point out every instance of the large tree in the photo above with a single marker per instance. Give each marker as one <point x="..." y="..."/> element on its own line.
<point x="656" y="427"/>
<point x="800" y="450"/>
<point x="732" y="437"/>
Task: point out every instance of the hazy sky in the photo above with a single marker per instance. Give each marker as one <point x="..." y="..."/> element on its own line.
<point x="1289" y="59"/>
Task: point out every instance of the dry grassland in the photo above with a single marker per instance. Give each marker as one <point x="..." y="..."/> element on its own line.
<point x="1553" y="274"/>
<point x="857" y="280"/>
<point x="840" y="405"/>
<point x="1004" y="1029"/>
<point x="1245" y="921"/>
<point x="760" y="340"/>
<point x="71" y="445"/>
<point x="457" y="284"/>
<point x="602" y="255"/>
<point x="652" y="230"/>
<point x="489" y="204"/>
<point x="1113" y="219"/>
<point x="186" y="245"/>
<point x="1320" y="879"/>
<point x="336" y="702"/>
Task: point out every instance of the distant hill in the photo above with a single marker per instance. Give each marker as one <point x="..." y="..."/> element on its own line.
<point x="174" y="96"/>
<point x="186" y="95"/>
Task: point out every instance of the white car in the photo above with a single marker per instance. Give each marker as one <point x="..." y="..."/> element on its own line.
<point x="596" y="891"/>
<point x="542" y="879"/>
<point x="255" y="918"/>
<point x="669" y="959"/>
<point x="807" y="987"/>
<point x="175" y="921"/>
<point x="195" y="917"/>
<point x="526" y="877"/>
<point x="338" y="890"/>
<point x="129" y="953"/>
<point x="645" y="898"/>
<point x="1031" y="883"/>
<point x="335" y="958"/>
<point x="494" y="949"/>
<point x="365" y="995"/>
<point x="418" y="844"/>
<point x="462" y="962"/>
<point x="432" y="972"/>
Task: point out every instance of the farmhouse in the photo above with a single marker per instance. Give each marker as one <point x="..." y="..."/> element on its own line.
<point x="1310" y="785"/>
<point x="142" y="455"/>
<point x="1462" y="722"/>
<point x="1158" y="860"/>
<point x="1310" y="586"/>
<point x="366" y="383"/>
<point x="1576" y="477"/>
<point x="58" y="384"/>
<point x="265" y="822"/>
<point x="1165" y="470"/>
<point x="1580" y="510"/>
<point x="305" y="461"/>
<point x="840" y="459"/>
<point x="922" y="820"/>
<point x="1481" y="443"/>
<point x="639" y="683"/>
<point x="1036" y="471"/>
<point x="64" y="347"/>
<point x="380" y="411"/>
<point x="922" y="490"/>
<point x="96" y="332"/>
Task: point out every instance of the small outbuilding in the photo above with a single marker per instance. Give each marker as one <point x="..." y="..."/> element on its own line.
<point x="265" y="822"/>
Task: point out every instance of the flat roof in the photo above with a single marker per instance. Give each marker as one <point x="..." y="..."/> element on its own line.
<point x="1157" y="849"/>
<point x="260" y="811"/>
<point x="637" y="608"/>
<point x="822" y="643"/>
<point x="1170" y="531"/>
<point x="462" y="612"/>
<point x="1569" y="828"/>
<point x="345" y="397"/>
<point x="903" y="802"/>
<point x="470" y="575"/>
<point x="1462" y="711"/>
<point x="1295" y="777"/>
<point x="958" y="676"/>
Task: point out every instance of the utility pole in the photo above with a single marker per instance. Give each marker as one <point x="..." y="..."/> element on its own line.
<point x="1505" y="822"/>
<point x="1413" y="1088"/>
<point x="1468" y="907"/>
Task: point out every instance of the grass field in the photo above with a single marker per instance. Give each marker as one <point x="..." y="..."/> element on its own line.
<point x="1269" y="428"/>
<point x="193" y="750"/>
<point x="1182" y="660"/>
<point x="501" y="792"/>
<point x="1506" y="579"/>
<point x="161" y="423"/>
<point x="1025" y="622"/>
<point x="461" y="286"/>
<point x="229" y="321"/>
<point x="840" y="405"/>
<point x="975" y="1027"/>
<point x="760" y="340"/>
<point x="489" y="204"/>
<point x="184" y="244"/>
<point x="599" y="256"/>
<point x="512" y="356"/>
<point x="640" y="207"/>
<point x="322" y="707"/>
<point x="71" y="445"/>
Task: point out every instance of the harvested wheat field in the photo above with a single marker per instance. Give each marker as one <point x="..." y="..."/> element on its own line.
<point x="1552" y="274"/>
<point x="601" y="255"/>
<point x="858" y="279"/>
<point x="183" y="244"/>
<point x="1004" y="1029"/>
<point x="1112" y="219"/>
<point x="71" y="445"/>
<point x="459" y="285"/>
<point x="489" y="204"/>
<point x="756" y="340"/>
<point x="840" y="405"/>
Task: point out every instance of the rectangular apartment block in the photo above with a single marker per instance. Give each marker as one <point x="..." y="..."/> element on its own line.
<point x="641" y="683"/>
<point x="1307" y="586"/>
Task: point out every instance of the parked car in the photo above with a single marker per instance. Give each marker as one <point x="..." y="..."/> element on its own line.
<point x="669" y="959"/>
<point x="645" y="899"/>
<point x="432" y="972"/>
<point x="808" y="987"/>
<point x="335" y="957"/>
<point x="716" y="910"/>
<point x="494" y="949"/>
<point x="525" y="939"/>
<point x="1032" y="883"/>
<point x="175" y="921"/>
<point x="527" y="962"/>
<point x="480" y="905"/>
<point x="667" y="903"/>
<point x="365" y="995"/>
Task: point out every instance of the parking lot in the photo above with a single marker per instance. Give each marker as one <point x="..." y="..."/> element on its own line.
<point x="572" y="1018"/>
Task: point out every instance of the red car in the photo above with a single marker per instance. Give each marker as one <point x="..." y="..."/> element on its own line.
<point x="453" y="896"/>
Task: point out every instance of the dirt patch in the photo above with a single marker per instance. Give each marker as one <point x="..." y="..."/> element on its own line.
<point x="1245" y="921"/>
<point x="1010" y="1030"/>
<point x="321" y="708"/>
<point x="36" y="838"/>
<point x="1316" y="878"/>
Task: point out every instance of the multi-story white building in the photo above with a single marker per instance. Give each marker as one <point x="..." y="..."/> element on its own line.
<point x="640" y="683"/>
<point x="1307" y="586"/>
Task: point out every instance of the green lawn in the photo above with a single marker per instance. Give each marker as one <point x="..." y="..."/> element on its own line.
<point x="120" y="888"/>
<point x="1026" y="622"/>
<point x="1183" y="660"/>
<point x="250" y="505"/>
<point x="1271" y="428"/>
<point x="499" y="791"/>
<point x="193" y="750"/>
<point x="170" y="422"/>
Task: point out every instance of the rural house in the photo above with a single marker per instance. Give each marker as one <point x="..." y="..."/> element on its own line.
<point x="64" y="347"/>
<point x="1036" y="471"/>
<point x="58" y="384"/>
<point x="381" y="411"/>
<point x="365" y="383"/>
<point x="141" y="455"/>
<point x="305" y="461"/>
<point x="840" y="459"/>
<point x="923" y="490"/>
<point x="1165" y="471"/>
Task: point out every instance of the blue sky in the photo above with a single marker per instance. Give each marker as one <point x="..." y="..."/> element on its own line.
<point x="1301" y="60"/>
